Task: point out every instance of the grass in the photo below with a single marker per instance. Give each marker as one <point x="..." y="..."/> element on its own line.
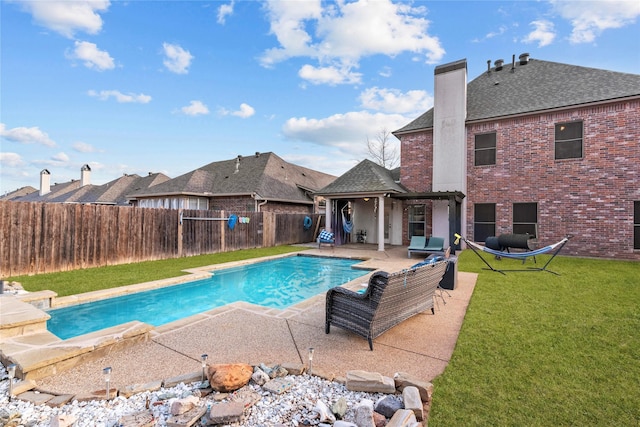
<point x="534" y="350"/>
<point x="539" y="350"/>
<point x="92" y="279"/>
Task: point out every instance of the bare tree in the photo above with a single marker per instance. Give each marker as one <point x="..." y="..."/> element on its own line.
<point x="383" y="151"/>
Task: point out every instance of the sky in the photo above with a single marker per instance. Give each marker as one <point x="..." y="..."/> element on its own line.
<point x="133" y="87"/>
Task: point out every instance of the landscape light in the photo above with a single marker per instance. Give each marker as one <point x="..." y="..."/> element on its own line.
<point x="11" y="372"/>
<point x="204" y="365"/>
<point x="310" y="359"/>
<point x="107" y="377"/>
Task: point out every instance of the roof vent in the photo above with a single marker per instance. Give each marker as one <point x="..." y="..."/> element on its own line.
<point x="524" y="59"/>
<point x="498" y="64"/>
<point x="257" y="154"/>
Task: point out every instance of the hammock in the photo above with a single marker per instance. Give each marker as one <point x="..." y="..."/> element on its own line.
<point x="556" y="248"/>
<point x="346" y="225"/>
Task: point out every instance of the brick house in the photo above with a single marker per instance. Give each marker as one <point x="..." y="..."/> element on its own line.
<point x="535" y="147"/>
<point x="261" y="182"/>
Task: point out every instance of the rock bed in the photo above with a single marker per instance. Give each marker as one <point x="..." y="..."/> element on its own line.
<point x="295" y="407"/>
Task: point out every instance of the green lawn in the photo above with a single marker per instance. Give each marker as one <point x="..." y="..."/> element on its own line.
<point x="534" y="350"/>
<point x="542" y="350"/>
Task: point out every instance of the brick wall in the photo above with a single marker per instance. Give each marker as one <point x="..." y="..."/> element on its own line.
<point x="590" y="198"/>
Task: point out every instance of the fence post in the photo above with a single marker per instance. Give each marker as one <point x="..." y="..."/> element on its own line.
<point x="179" y="236"/>
<point x="223" y="228"/>
<point x="268" y="229"/>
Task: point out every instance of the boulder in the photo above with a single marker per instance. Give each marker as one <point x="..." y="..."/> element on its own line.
<point x="229" y="377"/>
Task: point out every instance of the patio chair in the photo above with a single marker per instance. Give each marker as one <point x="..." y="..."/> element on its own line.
<point x="433" y="245"/>
<point x="326" y="237"/>
<point x="417" y="244"/>
<point x="389" y="299"/>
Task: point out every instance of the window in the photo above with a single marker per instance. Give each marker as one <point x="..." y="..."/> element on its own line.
<point x="569" y="140"/>
<point x="485" y="151"/>
<point x="417" y="220"/>
<point x="199" y="203"/>
<point x="636" y="225"/>
<point x="525" y="218"/>
<point x="484" y="221"/>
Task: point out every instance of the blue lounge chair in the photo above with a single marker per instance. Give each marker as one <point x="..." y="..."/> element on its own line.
<point x="433" y="245"/>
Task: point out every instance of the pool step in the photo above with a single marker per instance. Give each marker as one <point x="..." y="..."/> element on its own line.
<point x="38" y="353"/>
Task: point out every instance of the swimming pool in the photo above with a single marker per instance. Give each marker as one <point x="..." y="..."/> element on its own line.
<point x="277" y="283"/>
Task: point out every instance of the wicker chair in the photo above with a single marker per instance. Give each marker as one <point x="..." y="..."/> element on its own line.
<point x="388" y="300"/>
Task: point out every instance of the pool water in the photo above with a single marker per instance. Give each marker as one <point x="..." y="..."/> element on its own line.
<point x="277" y="283"/>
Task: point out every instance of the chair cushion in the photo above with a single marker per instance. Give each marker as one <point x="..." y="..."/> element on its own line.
<point x="325" y="235"/>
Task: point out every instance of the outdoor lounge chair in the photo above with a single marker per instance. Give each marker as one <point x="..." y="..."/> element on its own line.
<point x="433" y="245"/>
<point x="326" y="237"/>
<point x="389" y="299"/>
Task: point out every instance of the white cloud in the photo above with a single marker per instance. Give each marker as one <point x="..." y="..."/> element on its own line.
<point x="244" y="112"/>
<point x="196" y="108"/>
<point x="23" y="135"/>
<point x="104" y="95"/>
<point x="543" y="33"/>
<point x="11" y="160"/>
<point x="394" y="101"/>
<point x="345" y="132"/>
<point x="93" y="57"/>
<point x="224" y="11"/>
<point x="61" y="157"/>
<point x="339" y="35"/>
<point x="328" y="75"/>
<point x="83" y="147"/>
<point x="68" y="17"/>
<point x="591" y="18"/>
<point x="177" y="60"/>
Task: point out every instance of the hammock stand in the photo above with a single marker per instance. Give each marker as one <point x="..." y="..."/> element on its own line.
<point x="556" y="248"/>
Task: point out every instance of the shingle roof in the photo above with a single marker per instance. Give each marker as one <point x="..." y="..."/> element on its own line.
<point x="365" y="177"/>
<point x="265" y="174"/>
<point x="537" y="86"/>
<point x="20" y="192"/>
<point x="111" y="193"/>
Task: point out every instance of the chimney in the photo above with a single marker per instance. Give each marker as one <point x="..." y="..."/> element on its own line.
<point x="85" y="175"/>
<point x="498" y="64"/>
<point x="524" y="59"/>
<point x="449" y="131"/>
<point x="45" y="182"/>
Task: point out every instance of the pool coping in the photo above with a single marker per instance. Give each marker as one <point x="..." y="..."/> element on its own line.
<point x="38" y="353"/>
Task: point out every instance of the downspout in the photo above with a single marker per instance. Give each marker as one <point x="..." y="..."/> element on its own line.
<point x="261" y="204"/>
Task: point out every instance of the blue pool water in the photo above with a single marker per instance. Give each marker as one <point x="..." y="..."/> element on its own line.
<point x="277" y="283"/>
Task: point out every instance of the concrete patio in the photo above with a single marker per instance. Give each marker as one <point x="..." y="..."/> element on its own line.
<point x="421" y="346"/>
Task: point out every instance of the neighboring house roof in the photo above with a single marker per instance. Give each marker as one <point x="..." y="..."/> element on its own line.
<point x="56" y="191"/>
<point x="115" y="192"/>
<point x="536" y="86"/>
<point x="366" y="177"/>
<point x="20" y="192"/>
<point x="111" y="193"/>
<point x="264" y="174"/>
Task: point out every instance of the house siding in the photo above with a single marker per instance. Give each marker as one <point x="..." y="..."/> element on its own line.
<point x="590" y="198"/>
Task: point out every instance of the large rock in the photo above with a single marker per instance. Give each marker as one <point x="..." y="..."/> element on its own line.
<point x="402" y="380"/>
<point x="229" y="377"/>
<point x="370" y="382"/>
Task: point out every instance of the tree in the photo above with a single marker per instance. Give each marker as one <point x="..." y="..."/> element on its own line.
<point x="384" y="151"/>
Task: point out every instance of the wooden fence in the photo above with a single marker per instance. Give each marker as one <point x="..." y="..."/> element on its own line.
<point x="47" y="237"/>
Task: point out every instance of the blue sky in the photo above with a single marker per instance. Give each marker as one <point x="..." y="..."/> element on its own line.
<point x="169" y="86"/>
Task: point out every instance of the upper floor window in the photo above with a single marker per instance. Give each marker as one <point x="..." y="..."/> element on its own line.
<point x="568" y="143"/>
<point x="525" y="218"/>
<point x="485" y="149"/>
<point x="484" y="221"/>
<point x="636" y="225"/>
<point x="417" y="220"/>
